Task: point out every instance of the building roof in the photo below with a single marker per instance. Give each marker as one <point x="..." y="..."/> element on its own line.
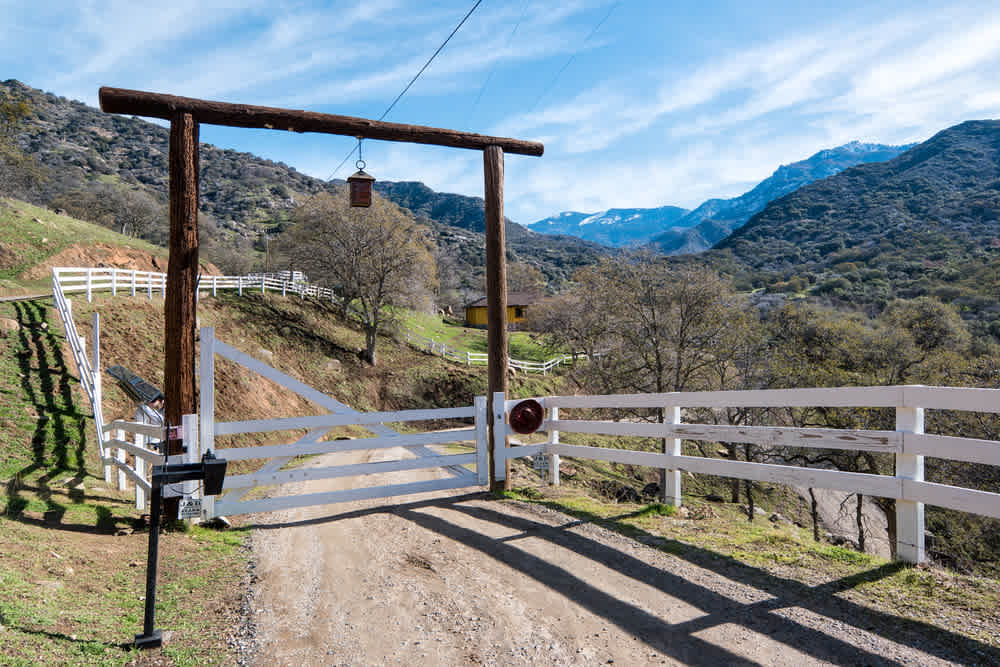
<point x="513" y="299"/>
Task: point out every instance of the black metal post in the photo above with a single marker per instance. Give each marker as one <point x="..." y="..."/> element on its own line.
<point x="150" y="637"/>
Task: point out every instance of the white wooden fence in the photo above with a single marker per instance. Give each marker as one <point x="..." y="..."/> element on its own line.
<point x="432" y="346"/>
<point x="907" y="443"/>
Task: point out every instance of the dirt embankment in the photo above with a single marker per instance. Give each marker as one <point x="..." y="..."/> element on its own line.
<point x="101" y="255"/>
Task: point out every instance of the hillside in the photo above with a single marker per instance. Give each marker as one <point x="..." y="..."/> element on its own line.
<point x="924" y="223"/>
<point x="91" y="157"/>
<point x="715" y="219"/>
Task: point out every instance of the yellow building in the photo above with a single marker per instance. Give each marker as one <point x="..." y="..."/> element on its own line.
<point x="517" y="309"/>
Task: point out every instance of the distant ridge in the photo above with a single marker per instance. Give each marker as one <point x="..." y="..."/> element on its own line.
<point x="675" y="230"/>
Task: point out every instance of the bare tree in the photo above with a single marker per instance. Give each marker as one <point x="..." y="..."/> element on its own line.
<point x="374" y="257"/>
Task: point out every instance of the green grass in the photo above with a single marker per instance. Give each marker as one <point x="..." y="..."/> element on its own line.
<point x="454" y="333"/>
<point x="30" y="235"/>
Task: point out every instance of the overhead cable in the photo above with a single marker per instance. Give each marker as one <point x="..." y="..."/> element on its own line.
<point x="415" y="77"/>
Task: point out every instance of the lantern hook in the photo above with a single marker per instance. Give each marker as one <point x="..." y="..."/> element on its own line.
<point x="360" y="164"/>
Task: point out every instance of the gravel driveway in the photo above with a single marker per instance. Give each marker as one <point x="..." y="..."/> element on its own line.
<point x="440" y="579"/>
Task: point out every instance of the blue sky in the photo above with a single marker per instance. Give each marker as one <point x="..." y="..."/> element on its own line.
<point x="665" y="103"/>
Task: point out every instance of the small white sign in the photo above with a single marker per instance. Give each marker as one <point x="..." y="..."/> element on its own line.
<point x="540" y="461"/>
<point x="190" y="508"/>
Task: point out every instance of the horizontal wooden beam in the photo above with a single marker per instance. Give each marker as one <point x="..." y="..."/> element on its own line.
<point x="158" y="105"/>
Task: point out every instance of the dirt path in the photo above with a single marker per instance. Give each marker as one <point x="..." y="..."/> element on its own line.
<point x="440" y="580"/>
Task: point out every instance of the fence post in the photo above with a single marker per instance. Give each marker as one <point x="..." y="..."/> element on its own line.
<point x="670" y="480"/>
<point x="140" y="470"/>
<point x="214" y="284"/>
<point x="95" y="371"/>
<point x="482" y="460"/>
<point x="284" y="287"/>
<point x="262" y="283"/>
<point x="149" y="285"/>
<point x="910" y="514"/>
<point x="554" y="458"/>
<point x="189" y="428"/>
<point x="133" y="283"/>
<point x="239" y="281"/>
<point x="206" y="408"/>
<point x="89" y="279"/>
<point x="114" y="282"/>
<point x="499" y="437"/>
<point x="120" y="457"/>
<point x="163" y="286"/>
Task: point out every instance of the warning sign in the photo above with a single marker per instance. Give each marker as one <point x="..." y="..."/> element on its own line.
<point x="190" y="508"/>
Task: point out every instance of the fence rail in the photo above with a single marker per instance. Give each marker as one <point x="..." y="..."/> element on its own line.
<point x="908" y="444"/>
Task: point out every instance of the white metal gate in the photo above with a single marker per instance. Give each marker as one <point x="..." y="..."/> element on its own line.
<point x="236" y="487"/>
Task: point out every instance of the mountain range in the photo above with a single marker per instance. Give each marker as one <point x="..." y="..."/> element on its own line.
<point x="675" y="230"/>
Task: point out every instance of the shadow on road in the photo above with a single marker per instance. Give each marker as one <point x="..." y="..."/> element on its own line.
<point x="680" y="640"/>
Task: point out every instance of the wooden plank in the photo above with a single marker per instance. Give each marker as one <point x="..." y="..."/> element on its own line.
<point x="289" y="382"/>
<point x="496" y="300"/>
<point x="762" y="398"/>
<point x="206" y="388"/>
<point x="627" y="456"/>
<point x="953" y="497"/>
<point x="521" y="451"/>
<point x="227" y="508"/>
<point x="148" y="430"/>
<point x="351" y="470"/>
<point x="157" y="105"/>
<point x="326" y="447"/>
<point x="828" y="438"/>
<point x="952" y="398"/>
<point x="180" y="305"/>
<point x="317" y="421"/>
<point x="972" y="450"/>
<point x="136" y="450"/>
<point x="873" y="485"/>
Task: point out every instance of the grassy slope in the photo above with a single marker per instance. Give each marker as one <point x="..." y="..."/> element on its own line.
<point x="70" y="589"/>
<point x="29" y="235"/>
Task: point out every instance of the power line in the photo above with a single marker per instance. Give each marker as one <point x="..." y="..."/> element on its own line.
<point x="415" y="77"/>
<point x="569" y="61"/>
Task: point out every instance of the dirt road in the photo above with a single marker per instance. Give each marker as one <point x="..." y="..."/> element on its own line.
<point x="444" y="580"/>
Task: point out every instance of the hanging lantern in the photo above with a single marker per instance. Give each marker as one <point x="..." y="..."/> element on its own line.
<point x="360" y="183"/>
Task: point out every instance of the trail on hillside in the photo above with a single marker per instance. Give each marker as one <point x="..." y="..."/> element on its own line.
<point x="439" y="579"/>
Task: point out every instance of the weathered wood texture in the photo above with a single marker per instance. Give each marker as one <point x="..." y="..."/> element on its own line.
<point x="496" y="293"/>
<point x="180" y="304"/>
<point x="158" y="105"/>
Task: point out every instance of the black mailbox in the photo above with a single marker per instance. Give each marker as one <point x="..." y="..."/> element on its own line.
<point x="215" y="472"/>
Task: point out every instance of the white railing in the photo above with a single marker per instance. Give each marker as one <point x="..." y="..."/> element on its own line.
<point x="907" y="443"/>
<point x="127" y="281"/>
<point x="432" y="346"/>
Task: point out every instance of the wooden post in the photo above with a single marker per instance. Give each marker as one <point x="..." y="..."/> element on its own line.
<point x="554" y="458"/>
<point x="670" y="480"/>
<point x="496" y="296"/>
<point x="910" y="514"/>
<point x="182" y="274"/>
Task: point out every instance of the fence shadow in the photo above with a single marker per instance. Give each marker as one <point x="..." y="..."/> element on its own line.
<point x="59" y="440"/>
<point x="680" y="640"/>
